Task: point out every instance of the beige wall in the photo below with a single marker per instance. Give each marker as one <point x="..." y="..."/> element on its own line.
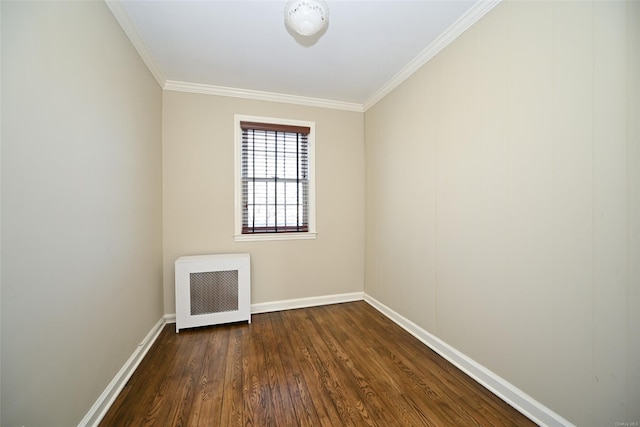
<point x="81" y="208"/>
<point x="503" y="202"/>
<point x="198" y="197"/>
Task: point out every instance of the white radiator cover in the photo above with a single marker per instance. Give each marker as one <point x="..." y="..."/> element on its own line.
<point x="212" y="289"/>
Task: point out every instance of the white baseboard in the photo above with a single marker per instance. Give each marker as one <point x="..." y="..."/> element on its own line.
<point x="506" y="391"/>
<point x="109" y="395"/>
<point x="290" y="304"/>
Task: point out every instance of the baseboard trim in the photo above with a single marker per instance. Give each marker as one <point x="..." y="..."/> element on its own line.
<point x="291" y="304"/>
<point x="109" y="395"/>
<point x="506" y="391"/>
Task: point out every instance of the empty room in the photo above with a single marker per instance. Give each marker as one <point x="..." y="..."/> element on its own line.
<point x="320" y="213"/>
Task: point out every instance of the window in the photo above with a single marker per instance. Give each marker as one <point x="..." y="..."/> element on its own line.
<point x="274" y="179"/>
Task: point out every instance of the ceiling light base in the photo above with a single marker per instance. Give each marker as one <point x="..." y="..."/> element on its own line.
<point x="306" y="17"/>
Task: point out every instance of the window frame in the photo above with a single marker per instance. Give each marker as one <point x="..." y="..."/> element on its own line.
<point x="311" y="233"/>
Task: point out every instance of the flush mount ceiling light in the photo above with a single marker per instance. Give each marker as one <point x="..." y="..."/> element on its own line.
<point x="306" y="17"/>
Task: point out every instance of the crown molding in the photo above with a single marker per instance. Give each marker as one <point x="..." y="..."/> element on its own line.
<point x="477" y="11"/>
<point x="260" y="96"/>
<point x="129" y="28"/>
<point x="472" y="16"/>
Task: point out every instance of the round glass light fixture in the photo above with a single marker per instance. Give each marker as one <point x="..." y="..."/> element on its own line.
<point x="306" y="17"/>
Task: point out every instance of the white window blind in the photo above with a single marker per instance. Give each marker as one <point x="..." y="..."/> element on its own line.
<point x="275" y="178"/>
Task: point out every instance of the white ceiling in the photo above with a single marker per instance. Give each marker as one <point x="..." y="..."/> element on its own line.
<point x="244" y="45"/>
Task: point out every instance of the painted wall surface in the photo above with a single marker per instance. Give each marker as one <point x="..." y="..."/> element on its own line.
<point x="198" y="197"/>
<point x="503" y="202"/>
<point x="81" y="208"/>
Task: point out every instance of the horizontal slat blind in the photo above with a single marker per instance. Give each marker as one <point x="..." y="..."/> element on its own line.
<point x="275" y="182"/>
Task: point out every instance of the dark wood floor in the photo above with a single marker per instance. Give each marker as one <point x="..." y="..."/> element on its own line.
<point x="335" y="365"/>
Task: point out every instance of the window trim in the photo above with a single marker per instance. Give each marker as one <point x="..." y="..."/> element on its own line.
<point x="238" y="236"/>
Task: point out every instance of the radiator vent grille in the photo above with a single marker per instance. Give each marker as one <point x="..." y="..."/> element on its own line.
<point x="214" y="292"/>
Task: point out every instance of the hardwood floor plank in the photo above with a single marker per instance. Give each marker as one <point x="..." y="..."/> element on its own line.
<point x="398" y="361"/>
<point x="307" y="377"/>
<point x="385" y="383"/>
<point x="355" y="367"/>
<point x="291" y="372"/>
<point x="433" y="383"/>
<point x="320" y="374"/>
<point x="335" y="365"/>
<point x="233" y="400"/>
<point x="210" y="390"/>
<point x="345" y="396"/>
<point x="186" y="382"/>
<point x="283" y="385"/>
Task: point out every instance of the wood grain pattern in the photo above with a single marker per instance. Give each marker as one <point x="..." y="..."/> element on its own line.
<point x="335" y="365"/>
